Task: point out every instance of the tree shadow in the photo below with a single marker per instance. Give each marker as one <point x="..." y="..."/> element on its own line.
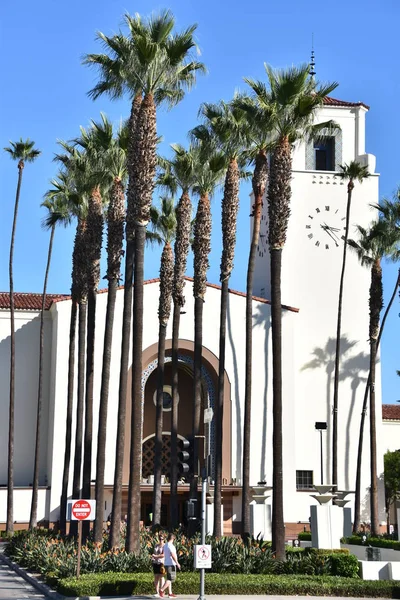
<point x="325" y="358"/>
<point x="237" y="400"/>
<point x="263" y="317"/>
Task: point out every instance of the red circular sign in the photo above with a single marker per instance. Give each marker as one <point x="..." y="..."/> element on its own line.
<point x="81" y="510"/>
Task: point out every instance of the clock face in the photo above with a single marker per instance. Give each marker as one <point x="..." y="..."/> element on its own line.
<point x="325" y="227"/>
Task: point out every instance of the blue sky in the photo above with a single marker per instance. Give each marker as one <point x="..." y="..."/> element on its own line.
<point x="44" y="97"/>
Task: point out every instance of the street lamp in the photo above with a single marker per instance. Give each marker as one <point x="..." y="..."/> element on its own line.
<point x="321" y="426"/>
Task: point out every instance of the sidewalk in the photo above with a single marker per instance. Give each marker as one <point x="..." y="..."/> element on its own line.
<point x="13" y="586"/>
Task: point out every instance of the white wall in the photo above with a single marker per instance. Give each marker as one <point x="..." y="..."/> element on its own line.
<point x="27" y="326"/>
<point x="22" y="504"/>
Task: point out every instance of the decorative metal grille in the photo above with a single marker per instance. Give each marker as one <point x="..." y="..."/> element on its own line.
<point x="148" y="457"/>
<point x="310" y="152"/>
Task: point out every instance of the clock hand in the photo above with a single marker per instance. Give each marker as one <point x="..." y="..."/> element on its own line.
<point x="327" y="229"/>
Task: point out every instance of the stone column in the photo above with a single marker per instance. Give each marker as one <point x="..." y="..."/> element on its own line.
<point x="260" y="513"/>
<point x="326" y="526"/>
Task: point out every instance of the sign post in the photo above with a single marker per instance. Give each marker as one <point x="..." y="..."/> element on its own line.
<point x="202" y="552"/>
<point x="80" y="510"/>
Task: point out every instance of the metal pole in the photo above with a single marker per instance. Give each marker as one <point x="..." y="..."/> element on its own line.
<point x="78" y="564"/>
<point x="322" y="459"/>
<point x="203" y="525"/>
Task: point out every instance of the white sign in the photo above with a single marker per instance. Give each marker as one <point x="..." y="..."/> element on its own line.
<point x="81" y="510"/>
<point x="202" y="557"/>
<point x="208" y="415"/>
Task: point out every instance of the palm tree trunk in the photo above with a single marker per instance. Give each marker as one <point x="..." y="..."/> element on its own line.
<point x="103" y="409"/>
<point x="249" y="364"/>
<point x="122" y="396"/>
<point x="159" y="426"/>
<point x="68" y="424"/>
<point x="76" y="479"/>
<point x="174" y="418"/>
<point x="10" y="468"/>
<point x="357" y="499"/>
<point x="35" y="485"/>
<point x="375" y="307"/>
<point x="88" y="435"/>
<point x="198" y="347"/>
<point x="230" y="207"/>
<point x="278" y="529"/>
<point x="114" y="538"/>
<point x="135" y="463"/>
<point x="350" y="188"/>
<point x="219" y="412"/>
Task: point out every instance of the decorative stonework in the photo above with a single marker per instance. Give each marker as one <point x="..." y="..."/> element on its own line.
<point x="182" y="358"/>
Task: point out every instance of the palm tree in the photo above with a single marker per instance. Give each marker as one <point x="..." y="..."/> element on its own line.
<point x="225" y="127"/>
<point x="114" y="161"/>
<point x="378" y="242"/>
<point x="72" y="203"/>
<point x="57" y="212"/>
<point x="178" y="172"/>
<point x="260" y="122"/>
<point x="154" y="62"/>
<point x="351" y="173"/>
<point x="211" y="167"/>
<point x="23" y="152"/>
<point x="295" y="99"/>
<point x="163" y="225"/>
<point x="390" y="214"/>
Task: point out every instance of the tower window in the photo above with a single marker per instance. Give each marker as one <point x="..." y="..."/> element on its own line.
<point x="304" y="480"/>
<point x="324" y="154"/>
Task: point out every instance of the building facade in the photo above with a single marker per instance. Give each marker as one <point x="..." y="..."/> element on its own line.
<point x="310" y="283"/>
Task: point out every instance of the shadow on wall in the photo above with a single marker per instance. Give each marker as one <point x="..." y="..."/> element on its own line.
<point x="238" y="415"/>
<point x="26" y="382"/>
<point x="350" y="368"/>
<point x="263" y="317"/>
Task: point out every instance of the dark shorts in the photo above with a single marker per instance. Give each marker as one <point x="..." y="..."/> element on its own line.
<point x="171" y="573"/>
<point x="157" y="568"/>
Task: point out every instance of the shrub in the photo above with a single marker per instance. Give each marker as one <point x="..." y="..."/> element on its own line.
<point x="305" y="536"/>
<point x="107" y="584"/>
<point x="371" y="541"/>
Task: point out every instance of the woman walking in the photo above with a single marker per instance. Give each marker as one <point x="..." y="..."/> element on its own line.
<point x="170" y="562"/>
<point x="157" y="559"/>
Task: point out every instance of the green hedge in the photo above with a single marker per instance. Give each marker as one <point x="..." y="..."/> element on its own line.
<point x="113" y="584"/>
<point x="370" y="541"/>
<point x="305" y="536"/>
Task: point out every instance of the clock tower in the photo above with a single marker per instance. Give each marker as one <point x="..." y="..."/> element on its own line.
<point x="311" y="265"/>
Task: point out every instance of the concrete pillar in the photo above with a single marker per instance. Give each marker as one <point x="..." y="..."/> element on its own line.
<point x="260" y="513"/>
<point x="210" y="507"/>
<point x="347" y="524"/>
<point x="326" y="526"/>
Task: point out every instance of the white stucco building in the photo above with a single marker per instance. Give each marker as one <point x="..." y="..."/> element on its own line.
<point x="310" y="281"/>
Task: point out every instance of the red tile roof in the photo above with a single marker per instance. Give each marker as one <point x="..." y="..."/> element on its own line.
<point x="329" y="101"/>
<point x="391" y="412"/>
<point x="27" y="301"/>
<point x="34" y="301"/>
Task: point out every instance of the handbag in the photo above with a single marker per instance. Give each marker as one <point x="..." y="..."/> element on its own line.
<point x="163" y="570"/>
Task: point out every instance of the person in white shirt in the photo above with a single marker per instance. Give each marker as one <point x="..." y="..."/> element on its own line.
<point x="170" y="563"/>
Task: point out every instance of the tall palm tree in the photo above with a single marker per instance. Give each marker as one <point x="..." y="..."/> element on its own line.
<point x="163" y="225"/>
<point x="390" y="214"/>
<point x="260" y="122"/>
<point x="57" y="212"/>
<point x="351" y="173"/>
<point x="373" y="244"/>
<point x="65" y="191"/>
<point x="225" y="126"/>
<point x="178" y="172"/>
<point x="114" y="162"/>
<point x="211" y="168"/>
<point x="23" y="152"/>
<point x="294" y="98"/>
<point x="155" y="62"/>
